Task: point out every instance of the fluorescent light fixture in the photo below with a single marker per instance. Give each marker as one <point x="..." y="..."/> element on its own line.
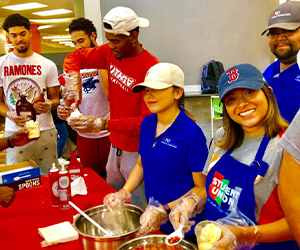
<point x="45" y="27"/>
<point x="57" y="37"/>
<point x="54" y="20"/>
<point x="61" y="39"/>
<point x="25" y="6"/>
<point x="52" y="12"/>
<point x="65" y="42"/>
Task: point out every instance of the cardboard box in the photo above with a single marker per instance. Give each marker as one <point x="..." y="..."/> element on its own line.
<point x="22" y="179"/>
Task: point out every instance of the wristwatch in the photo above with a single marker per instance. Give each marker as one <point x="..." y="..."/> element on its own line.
<point x="167" y="208"/>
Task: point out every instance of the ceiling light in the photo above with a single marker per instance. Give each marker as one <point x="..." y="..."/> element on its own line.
<point x="52" y="12"/>
<point x="25" y="6"/>
<point x="63" y="42"/>
<point x="56" y="37"/>
<point x="61" y="39"/>
<point x="48" y="21"/>
<point x="45" y="27"/>
<point x="67" y="29"/>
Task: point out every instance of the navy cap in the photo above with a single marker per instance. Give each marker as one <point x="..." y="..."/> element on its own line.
<point x="244" y="76"/>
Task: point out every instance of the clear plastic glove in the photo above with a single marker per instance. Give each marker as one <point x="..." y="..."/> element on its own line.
<point x="241" y="232"/>
<point x="72" y="89"/>
<point x="19" y="120"/>
<point x="185" y="209"/>
<point x="154" y="216"/>
<point x="115" y="200"/>
<point x="85" y="124"/>
<point x="63" y="112"/>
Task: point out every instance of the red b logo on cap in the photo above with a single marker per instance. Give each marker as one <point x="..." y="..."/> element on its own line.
<point x="232" y="74"/>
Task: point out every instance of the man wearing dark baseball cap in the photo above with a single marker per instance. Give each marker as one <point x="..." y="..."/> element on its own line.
<point x="284" y="40"/>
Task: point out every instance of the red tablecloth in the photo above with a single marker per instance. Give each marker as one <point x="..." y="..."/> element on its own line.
<point x="32" y="209"/>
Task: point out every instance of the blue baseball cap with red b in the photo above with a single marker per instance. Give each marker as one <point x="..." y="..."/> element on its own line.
<point x="244" y="76"/>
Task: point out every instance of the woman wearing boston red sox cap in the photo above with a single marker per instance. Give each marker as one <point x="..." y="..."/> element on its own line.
<point x="243" y="166"/>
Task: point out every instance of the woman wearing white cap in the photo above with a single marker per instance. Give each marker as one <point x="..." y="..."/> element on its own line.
<point x="172" y="150"/>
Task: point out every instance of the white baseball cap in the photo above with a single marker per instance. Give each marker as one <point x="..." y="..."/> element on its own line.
<point x="122" y="20"/>
<point x="161" y="76"/>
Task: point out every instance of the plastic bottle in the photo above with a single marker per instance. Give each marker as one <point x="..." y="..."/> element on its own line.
<point x="64" y="188"/>
<point x="75" y="168"/>
<point x="53" y="181"/>
<point x="40" y="97"/>
<point x="25" y="108"/>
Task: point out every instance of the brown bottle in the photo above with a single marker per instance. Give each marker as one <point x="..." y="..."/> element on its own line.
<point x="25" y="108"/>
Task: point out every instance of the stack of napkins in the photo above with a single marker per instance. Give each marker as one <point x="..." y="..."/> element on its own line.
<point x="59" y="233"/>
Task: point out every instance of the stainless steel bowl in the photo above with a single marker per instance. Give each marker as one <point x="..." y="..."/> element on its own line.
<point x="156" y="239"/>
<point x="123" y="223"/>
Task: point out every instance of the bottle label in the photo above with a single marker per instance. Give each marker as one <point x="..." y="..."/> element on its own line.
<point x="64" y="181"/>
<point x="63" y="195"/>
<point x="55" y="188"/>
<point x="73" y="171"/>
<point x="25" y="113"/>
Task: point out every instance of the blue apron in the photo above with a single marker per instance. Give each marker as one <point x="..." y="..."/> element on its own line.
<point x="230" y="183"/>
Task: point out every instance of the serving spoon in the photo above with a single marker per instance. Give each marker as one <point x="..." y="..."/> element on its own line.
<point x="90" y="219"/>
<point x="175" y="237"/>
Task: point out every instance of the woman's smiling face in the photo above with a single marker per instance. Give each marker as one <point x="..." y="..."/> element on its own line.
<point x="247" y="107"/>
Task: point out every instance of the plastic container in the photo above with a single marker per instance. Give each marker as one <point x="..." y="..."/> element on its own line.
<point x="64" y="188"/>
<point x="53" y="181"/>
<point x="207" y="233"/>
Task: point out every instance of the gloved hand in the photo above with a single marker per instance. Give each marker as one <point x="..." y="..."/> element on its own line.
<point x="72" y="89"/>
<point x="19" y="120"/>
<point x="154" y="216"/>
<point x="238" y="232"/>
<point x="85" y="124"/>
<point x="114" y="200"/>
<point x="63" y="112"/>
<point x="241" y="232"/>
<point x="185" y="209"/>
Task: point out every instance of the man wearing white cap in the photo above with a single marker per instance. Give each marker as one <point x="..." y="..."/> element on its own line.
<point x="284" y="41"/>
<point x="127" y="63"/>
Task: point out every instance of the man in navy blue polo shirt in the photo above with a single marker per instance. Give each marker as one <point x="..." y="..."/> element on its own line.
<point x="284" y="41"/>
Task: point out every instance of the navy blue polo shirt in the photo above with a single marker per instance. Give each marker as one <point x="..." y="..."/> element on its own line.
<point x="286" y="88"/>
<point x="170" y="159"/>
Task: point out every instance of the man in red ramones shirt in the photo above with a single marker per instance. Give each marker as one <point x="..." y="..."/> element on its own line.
<point x="127" y="63"/>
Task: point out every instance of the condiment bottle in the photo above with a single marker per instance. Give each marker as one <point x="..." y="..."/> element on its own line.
<point x="40" y="97"/>
<point x="75" y="168"/>
<point x="53" y="181"/>
<point x="25" y="108"/>
<point x="64" y="188"/>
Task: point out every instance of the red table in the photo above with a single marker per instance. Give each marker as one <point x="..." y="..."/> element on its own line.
<point x="32" y="209"/>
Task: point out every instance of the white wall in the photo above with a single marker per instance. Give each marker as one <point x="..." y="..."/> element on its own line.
<point x="191" y="32"/>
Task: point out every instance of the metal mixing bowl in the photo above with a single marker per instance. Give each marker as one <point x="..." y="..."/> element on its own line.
<point x="155" y="239"/>
<point x="123" y="223"/>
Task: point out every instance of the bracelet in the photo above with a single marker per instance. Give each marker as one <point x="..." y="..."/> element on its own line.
<point x="166" y="207"/>
<point x="9" y="142"/>
<point x="104" y="124"/>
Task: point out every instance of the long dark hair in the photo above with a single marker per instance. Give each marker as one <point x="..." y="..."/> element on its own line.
<point x="234" y="134"/>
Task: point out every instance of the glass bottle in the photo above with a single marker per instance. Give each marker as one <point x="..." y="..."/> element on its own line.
<point x="25" y="108"/>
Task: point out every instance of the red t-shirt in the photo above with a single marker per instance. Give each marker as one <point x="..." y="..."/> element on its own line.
<point x="127" y="109"/>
